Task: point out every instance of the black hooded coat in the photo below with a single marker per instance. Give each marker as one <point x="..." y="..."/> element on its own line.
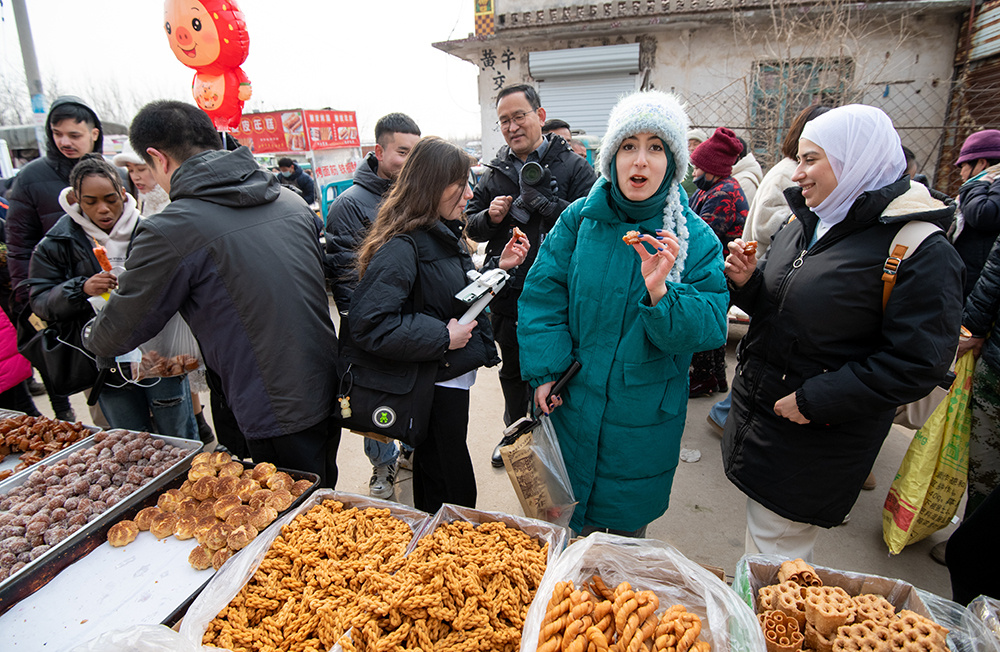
<point x="34" y="201"/>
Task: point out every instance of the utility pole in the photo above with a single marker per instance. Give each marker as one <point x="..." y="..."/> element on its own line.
<point x="39" y="106"/>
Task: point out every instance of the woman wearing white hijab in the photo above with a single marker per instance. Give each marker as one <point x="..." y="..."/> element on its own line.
<point x="823" y="365"/>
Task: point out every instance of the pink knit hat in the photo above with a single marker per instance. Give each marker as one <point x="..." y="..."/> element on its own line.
<point x="982" y="144"/>
<point x="718" y="154"/>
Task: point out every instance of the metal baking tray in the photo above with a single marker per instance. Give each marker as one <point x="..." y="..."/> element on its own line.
<point x="13" y="459"/>
<point x="40" y="571"/>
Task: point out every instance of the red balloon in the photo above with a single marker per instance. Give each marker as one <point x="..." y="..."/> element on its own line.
<point x="211" y="37"/>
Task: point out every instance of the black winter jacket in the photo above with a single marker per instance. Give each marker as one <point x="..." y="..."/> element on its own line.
<point x="237" y="255"/>
<point x="818" y="331"/>
<point x="982" y="308"/>
<point x="980" y="206"/>
<point x="34" y="202"/>
<point x="347" y="224"/>
<point x="301" y="183"/>
<point x="385" y="321"/>
<point x="574" y="178"/>
<point x="61" y="264"/>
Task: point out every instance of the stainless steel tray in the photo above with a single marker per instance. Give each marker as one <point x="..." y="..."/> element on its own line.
<point x="40" y="571"/>
<point x="13" y="459"/>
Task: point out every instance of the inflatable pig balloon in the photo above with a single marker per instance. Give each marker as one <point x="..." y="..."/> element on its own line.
<point x="211" y="37"/>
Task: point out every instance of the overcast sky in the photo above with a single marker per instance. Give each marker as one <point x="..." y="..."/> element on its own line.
<point x="370" y="56"/>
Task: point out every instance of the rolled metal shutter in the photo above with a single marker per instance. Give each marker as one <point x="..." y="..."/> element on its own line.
<point x="581" y="85"/>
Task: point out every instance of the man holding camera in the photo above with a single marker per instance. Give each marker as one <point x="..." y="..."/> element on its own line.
<point x="531" y="197"/>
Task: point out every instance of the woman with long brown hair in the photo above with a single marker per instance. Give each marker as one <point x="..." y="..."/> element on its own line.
<point x="412" y="263"/>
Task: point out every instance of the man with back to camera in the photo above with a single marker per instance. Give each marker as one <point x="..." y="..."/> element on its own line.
<point x="237" y="255"/>
<point x="72" y="129"/>
<point x="502" y="201"/>
<point x="294" y="177"/>
<point x="347" y="224"/>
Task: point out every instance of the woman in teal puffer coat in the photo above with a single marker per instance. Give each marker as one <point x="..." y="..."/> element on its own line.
<point x="630" y="315"/>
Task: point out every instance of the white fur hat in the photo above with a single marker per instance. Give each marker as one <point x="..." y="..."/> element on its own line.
<point x="647" y="112"/>
<point x="127" y="155"/>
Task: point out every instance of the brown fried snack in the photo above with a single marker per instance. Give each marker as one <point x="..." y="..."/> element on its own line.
<point x="240" y="537"/>
<point x="631" y="238"/>
<point x="262" y="517"/>
<point x="796" y="570"/>
<point x="279" y="480"/>
<point x="188" y="507"/>
<point x="163" y="525"/>
<point x="259" y="498"/>
<point x="185" y="527"/>
<point x="865" y="636"/>
<point x="239" y="516"/>
<point x="220" y="557"/>
<point x="791" y="599"/>
<point x="170" y="500"/>
<point x="280" y="500"/>
<point x="300" y="487"/>
<point x="200" y="558"/>
<point x="198" y="471"/>
<point x="225" y="505"/>
<point x="123" y="533"/>
<point x="263" y="471"/>
<point x="234" y="469"/>
<point x="145" y="517"/>
<point x="245" y="488"/>
<point x="225" y="486"/>
<point x="875" y="608"/>
<point x="206" y="508"/>
<point x="749" y="249"/>
<point x="204" y="487"/>
<point x="827" y="608"/>
<point x="781" y="633"/>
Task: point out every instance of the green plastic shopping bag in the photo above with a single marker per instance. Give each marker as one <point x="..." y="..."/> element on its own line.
<point x="930" y="482"/>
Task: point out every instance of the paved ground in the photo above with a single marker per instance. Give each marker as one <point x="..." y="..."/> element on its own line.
<point x="706" y="519"/>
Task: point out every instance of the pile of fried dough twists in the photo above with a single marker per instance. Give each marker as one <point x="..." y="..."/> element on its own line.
<point x="340" y="575"/>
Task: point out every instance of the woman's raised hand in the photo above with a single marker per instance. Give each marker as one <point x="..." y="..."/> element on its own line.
<point x="656" y="265"/>
<point x="515" y="251"/>
<point x="100" y="283"/>
<point x="460" y="334"/>
<point x="739" y="265"/>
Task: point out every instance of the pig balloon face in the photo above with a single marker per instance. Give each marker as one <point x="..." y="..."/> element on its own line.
<point x="207" y="35"/>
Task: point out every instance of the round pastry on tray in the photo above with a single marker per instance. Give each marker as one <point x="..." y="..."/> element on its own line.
<point x="220" y="557"/>
<point x="263" y="471"/>
<point x="300" y="487"/>
<point x="185" y="527"/>
<point x="163" y="525"/>
<point x="200" y="558"/>
<point x="234" y="469"/>
<point x="225" y="486"/>
<point x="145" y="517"/>
<point x="280" y="480"/>
<point x="225" y="505"/>
<point x="123" y="533"/>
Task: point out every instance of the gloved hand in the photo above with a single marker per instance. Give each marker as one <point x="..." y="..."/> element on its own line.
<point x="542" y="198"/>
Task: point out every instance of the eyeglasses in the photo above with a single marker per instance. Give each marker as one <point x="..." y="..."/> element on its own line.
<point x="518" y="119"/>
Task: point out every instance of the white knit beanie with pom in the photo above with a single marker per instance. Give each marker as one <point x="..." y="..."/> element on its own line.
<point x="647" y="112"/>
<point x="661" y="114"/>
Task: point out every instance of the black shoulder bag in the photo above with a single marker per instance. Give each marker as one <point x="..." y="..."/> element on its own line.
<point x="388" y="398"/>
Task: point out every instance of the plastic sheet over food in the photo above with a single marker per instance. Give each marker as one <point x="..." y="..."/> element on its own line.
<point x="728" y="624"/>
<point x="142" y="638"/>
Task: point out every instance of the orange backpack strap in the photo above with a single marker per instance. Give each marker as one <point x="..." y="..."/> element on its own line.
<point x="902" y="247"/>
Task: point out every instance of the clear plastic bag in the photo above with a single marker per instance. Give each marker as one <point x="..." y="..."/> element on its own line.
<point x="236" y="572"/>
<point x="554" y="535"/>
<point x="173" y="351"/>
<point x="987" y="610"/>
<point x="536" y="468"/>
<point x="966" y="634"/>
<point x="727" y="623"/>
<point x="142" y="638"/>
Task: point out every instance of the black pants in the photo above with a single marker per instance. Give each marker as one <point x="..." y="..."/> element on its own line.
<point x="442" y="467"/>
<point x="19" y="398"/>
<point x="516" y="392"/>
<point x="227" y="431"/>
<point x="709" y="365"/>
<point x="971" y="553"/>
<point x="313" y="450"/>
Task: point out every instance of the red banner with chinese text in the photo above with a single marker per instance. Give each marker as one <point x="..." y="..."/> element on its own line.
<point x="280" y="132"/>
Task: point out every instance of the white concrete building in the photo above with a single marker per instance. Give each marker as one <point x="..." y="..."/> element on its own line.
<point x="750" y="65"/>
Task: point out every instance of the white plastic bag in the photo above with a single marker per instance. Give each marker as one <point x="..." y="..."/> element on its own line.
<point x="967" y="632"/>
<point x="727" y="623"/>
<point x="236" y="572"/>
<point x="142" y="638"/>
<point x="987" y="610"/>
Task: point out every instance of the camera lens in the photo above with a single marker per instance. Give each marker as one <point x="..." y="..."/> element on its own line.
<point x="531" y="173"/>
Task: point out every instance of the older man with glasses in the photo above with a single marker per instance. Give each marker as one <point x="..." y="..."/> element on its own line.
<point x="503" y="199"/>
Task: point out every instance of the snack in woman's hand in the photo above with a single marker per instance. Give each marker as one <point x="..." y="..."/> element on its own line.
<point x="631" y="238"/>
<point x="749" y="249"/>
<point x="102" y="258"/>
<point x="519" y="234"/>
